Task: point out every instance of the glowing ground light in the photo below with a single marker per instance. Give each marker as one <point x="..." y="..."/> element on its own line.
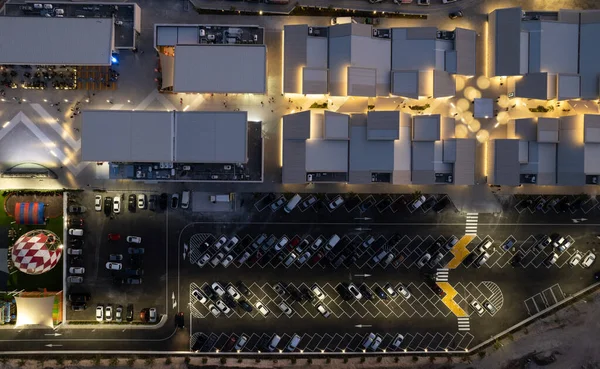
<point x="482" y="135"/>
<point x="474" y="125"/>
<point x="483" y="82"/>
<point x="461" y="131"/>
<point x="503" y="117"/>
<point x="472" y="93"/>
<point x="463" y="105"/>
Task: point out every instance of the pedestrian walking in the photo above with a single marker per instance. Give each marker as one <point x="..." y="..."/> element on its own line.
<point x="181" y="101"/>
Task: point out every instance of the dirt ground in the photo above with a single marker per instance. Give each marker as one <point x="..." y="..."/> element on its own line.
<point x="567" y="339"/>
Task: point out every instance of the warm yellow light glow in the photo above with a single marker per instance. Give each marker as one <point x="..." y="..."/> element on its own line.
<point x="186" y="108"/>
<point x="503" y="117"/>
<point x="281" y="145"/>
<point x="461" y="131"/>
<point x="260" y="12"/>
<point x="482" y="135"/>
<point x="463" y="105"/>
<point x="472" y="93"/>
<point x="485" y="159"/>
<point x="485" y="50"/>
<point x="474" y="125"/>
<point x="483" y="82"/>
<point x="5" y="124"/>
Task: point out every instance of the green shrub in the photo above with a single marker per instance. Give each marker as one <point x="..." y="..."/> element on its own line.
<point x="240" y="359"/>
<point x="362" y="359"/>
<point x="345" y="360"/>
<point x="328" y="360"/>
<point x="204" y="360"/>
<point x="257" y="360"/>
<point x="415" y="358"/>
<point x="316" y="105"/>
<point x="432" y="359"/>
<point x="21" y="362"/>
<point x="113" y="361"/>
<point x="379" y="358"/>
<point x="396" y="359"/>
<point x="130" y="362"/>
<point x="481" y="354"/>
<point x="186" y="360"/>
<point x="168" y="360"/>
<point x="149" y="361"/>
<point x="309" y="361"/>
<point x="293" y="360"/>
<point x="75" y="361"/>
<point x="223" y="360"/>
<point x="59" y="360"/>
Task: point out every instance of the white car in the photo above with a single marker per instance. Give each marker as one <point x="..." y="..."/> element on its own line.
<point x="203" y="260"/>
<point x="233" y="292"/>
<point x="551" y="260"/>
<point x="218" y="289"/>
<point x="77" y="270"/>
<point x="217" y="259"/>
<point x="98" y="203"/>
<point x="262" y="308"/>
<point x="99" y="313"/>
<point x="318" y="293"/>
<point x="227" y="261"/>
<point x="224" y="308"/>
<point x="134" y="239"/>
<point x="232" y="242"/>
<point x="286" y="309"/>
<point x="575" y="260"/>
<point x="108" y="313"/>
<point x="153" y="315"/>
<point x="114" y="266"/>
<point x="354" y="291"/>
<point x="376" y="343"/>
<point x="423" y="260"/>
<point x="477" y="307"/>
<point x="302" y="259"/>
<point x="397" y="342"/>
<point x="213" y="309"/>
<point x="588" y="260"/>
<point x="141" y="198"/>
<point x="323" y="311"/>
<point x="388" y="288"/>
<point x="117" y="204"/>
<point x="220" y="242"/>
<point x="284" y="240"/>
<point x="199" y="296"/>
<point x="336" y="203"/>
<point x="290" y="259"/>
<point x="404" y="291"/>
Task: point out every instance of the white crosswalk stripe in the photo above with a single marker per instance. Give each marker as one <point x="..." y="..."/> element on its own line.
<point x="441" y="275"/>
<point x="471" y="224"/>
<point x="464" y="323"/>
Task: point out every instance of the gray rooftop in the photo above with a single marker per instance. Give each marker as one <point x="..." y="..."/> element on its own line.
<point x="589" y="54"/>
<point x="56" y="41"/>
<point x="553" y="46"/>
<point x="591" y="128"/>
<point x="294" y="56"/>
<point x="547" y="130"/>
<point x="414" y="48"/>
<point x="504" y="162"/>
<point x="423" y="157"/>
<point x="504" y="40"/>
<point x="211" y="137"/>
<point x="464" y="164"/>
<point x="523" y="129"/>
<point x="426" y="127"/>
<point x="367" y="155"/>
<point x="127" y="136"/>
<point x="352" y="45"/>
<point x="532" y="86"/>
<point x="158" y="136"/>
<point x="220" y="69"/>
<point x="383" y="125"/>
<point x="465" y="44"/>
<point x="570" y="153"/>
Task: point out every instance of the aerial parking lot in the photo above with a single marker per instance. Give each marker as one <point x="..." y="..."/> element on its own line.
<point x="391" y="266"/>
<point x="117" y="251"/>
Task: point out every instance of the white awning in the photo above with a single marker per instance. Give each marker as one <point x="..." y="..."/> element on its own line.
<point x="35" y="311"/>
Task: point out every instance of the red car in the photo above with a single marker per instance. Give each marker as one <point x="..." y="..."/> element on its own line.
<point x="315" y="259"/>
<point x="114" y="236"/>
<point x="293" y="243"/>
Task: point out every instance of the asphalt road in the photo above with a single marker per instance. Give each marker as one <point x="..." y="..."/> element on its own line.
<point x="518" y="285"/>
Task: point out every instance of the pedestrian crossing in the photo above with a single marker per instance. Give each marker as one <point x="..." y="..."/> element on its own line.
<point x="471" y="226"/>
<point x="442" y="275"/>
<point x="464" y="323"/>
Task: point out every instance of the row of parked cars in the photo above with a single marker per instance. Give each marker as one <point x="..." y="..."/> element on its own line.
<point x="222" y="300"/>
<point x="108" y="314"/>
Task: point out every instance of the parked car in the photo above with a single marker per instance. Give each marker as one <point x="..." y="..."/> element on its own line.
<point x="551" y="260"/>
<point x="108" y="313"/>
<point x="477" y="307"/>
<point x="423" y="260"/>
<point x="199" y="296"/>
<point x="114" y="236"/>
<point x="75" y="279"/>
<point x="588" y="260"/>
<point x="321" y="309"/>
<point x="336" y="202"/>
<point x="220" y="242"/>
<point x="77" y="270"/>
<point x="131" y="203"/>
<point x="119" y="314"/>
<point x="575" y="260"/>
<point x="117" y="204"/>
<point x="76" y="209"/>
<point x="134" y="239"/>
<point x="456" y="14"/>
<point x="279" y="203"/>
<point x="509" y="243"/>
<point x="228" y="259"/>
<point x="135" y="250"/>
<point x="141" y="200"/>
<point x="100" y="313"/>
<point x="174" y="201"/>
<point x="108" y="201"/>
<point x="114" y="266"/>
<point x="98" y="202"/>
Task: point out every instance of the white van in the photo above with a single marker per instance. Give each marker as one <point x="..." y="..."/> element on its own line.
<point x="274" y="342"/>
<point x="76" y="232"/>
<point x="332" y="242"/>
<point x="292" y="203"/>
<point x="293" y="343"/>
<point x="185" y="199"/>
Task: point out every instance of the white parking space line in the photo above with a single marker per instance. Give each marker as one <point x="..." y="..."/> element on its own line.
<point x="464" y="323"/>
<point x="442" y="275"/>
<point x="471" y="223"/>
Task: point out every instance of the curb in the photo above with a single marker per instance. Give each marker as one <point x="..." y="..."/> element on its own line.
<point x="159" y="324"/>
